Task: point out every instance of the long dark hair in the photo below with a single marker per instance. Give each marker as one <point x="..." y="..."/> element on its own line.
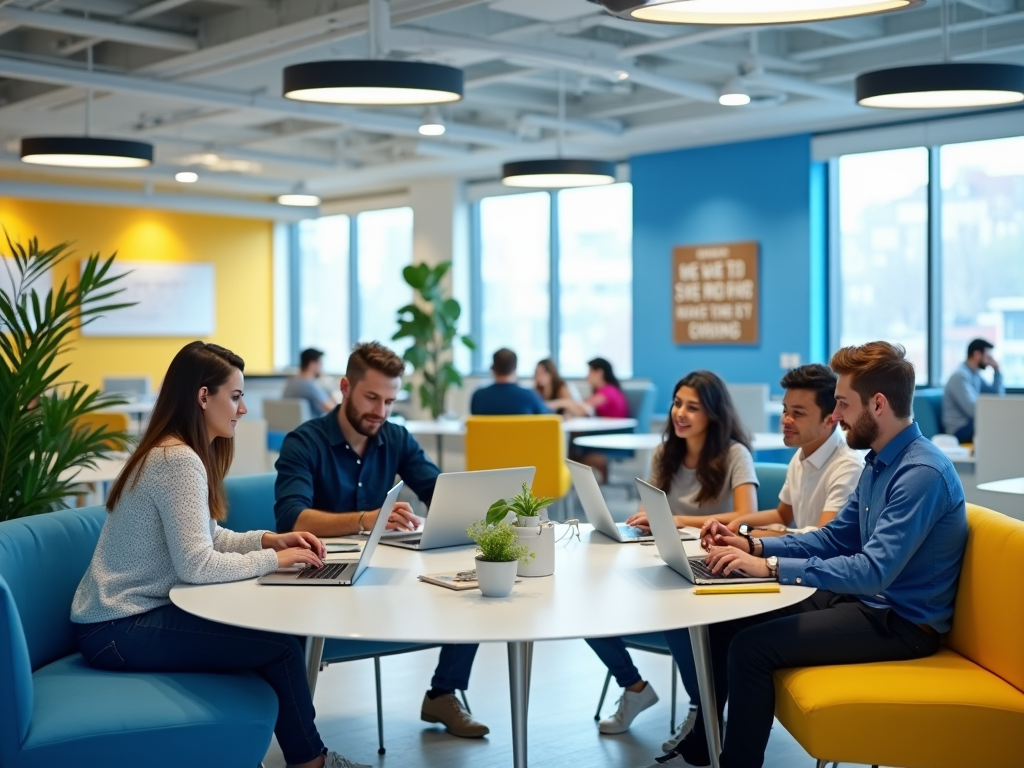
<point x="177" y="414"/>
<point x="724" y="429"/>
<point x="602" y="365"/>
<point x="557" y="382"/>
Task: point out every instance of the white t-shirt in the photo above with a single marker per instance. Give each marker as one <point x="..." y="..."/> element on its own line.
<point x="822" y="481"/>
<point x="682" y="492"/>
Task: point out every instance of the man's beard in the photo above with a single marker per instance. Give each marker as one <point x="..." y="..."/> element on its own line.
<point x="862" y="433"/>
<point x="355" y="419"/>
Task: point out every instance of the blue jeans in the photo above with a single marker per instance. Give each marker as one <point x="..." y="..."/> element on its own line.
<point x="453" y="667"/>
<point x="613" y="652"/>
<point x="167" y="639"/>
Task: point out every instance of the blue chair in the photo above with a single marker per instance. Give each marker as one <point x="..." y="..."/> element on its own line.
<point x="771" y="478"/>
<point x="56" y="710"/>
<point x="652" y="642"/>
<point x="928" y="411"/>
<point x="251" y="507"/>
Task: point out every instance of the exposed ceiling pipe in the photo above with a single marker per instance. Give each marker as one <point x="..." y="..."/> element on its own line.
<point x="76" y="25"/>
<point x="605" y="127"/>
<point x="145" y="12"/>
<point x="796" y="85"/>
<point x="668" y="43"/>
<point x="220" y="97"/>
<point x="255" y="155"/>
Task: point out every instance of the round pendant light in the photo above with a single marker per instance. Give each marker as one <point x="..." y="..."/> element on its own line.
<point x="557" y="173"/>
<point x="748" y="11"/>
<point x="86" y="152"/>
<point x="942" y="86"/>
<point x="373" y="82"/>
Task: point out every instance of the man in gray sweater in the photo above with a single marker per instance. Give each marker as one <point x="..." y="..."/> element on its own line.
<point x="963" y="388"/>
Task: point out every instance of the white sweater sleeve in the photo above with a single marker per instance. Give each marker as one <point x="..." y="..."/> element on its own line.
<point x="179" y="489"/>
<point x="237" y="541"/>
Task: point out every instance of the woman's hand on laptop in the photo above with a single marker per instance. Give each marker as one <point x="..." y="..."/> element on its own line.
<point x="402" y="518"/>
<point x="639" y="520"/>
<point x="725" y="560"/>
<point x="298" y="539"/>
<point x="296" y="555"/>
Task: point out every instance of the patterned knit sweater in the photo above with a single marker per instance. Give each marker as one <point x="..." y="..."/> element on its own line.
<point x="161" y="534"/>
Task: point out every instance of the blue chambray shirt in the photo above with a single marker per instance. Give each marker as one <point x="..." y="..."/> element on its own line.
<point x="897" y="543"/>
<point x="318" y="470"/>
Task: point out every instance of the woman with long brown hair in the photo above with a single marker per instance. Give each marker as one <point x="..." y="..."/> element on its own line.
<point x="548" y="382"/>
<point x="162" y="530"/>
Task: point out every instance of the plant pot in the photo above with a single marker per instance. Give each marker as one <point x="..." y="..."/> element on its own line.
<point x="495" y="579"/>
<point x="541" y="541"/>
<point x="527" y="522"/>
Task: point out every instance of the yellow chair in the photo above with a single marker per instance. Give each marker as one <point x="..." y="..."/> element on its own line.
<point x="111" y="422"/>
<point x="499" y="442"/>
<point x="964" y="706"/>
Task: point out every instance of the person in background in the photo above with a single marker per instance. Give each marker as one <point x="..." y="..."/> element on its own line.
<point x="505" y="397"/>
<point x="885" y="570"/>
<point x="163" y="530"/>
<point x="334" y="473"/>
<point x="303" y="386"/>
<point x="606" y="401"/>
<point x="964" y="386"/>
<point x="549" y="384"/>
<point x="705" y="467"/>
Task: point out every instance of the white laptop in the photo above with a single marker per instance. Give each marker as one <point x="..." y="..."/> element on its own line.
<point x="461" y="498"/>
<point x="598" y="515"/>
<point x="337" y="574"/>
<point x="663" y="526"/>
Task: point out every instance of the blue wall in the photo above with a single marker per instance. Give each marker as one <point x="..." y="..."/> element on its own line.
<point x="768" y="191"/>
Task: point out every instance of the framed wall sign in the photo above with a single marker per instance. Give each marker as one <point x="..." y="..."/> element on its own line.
<point x="715" y="294"/>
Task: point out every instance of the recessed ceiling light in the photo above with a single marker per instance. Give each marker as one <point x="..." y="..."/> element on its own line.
<point x="557" y="173"/>
<point x="748" y="11"/>
<point x="373" y="82"/>
<point x="85" y="152"/>
<point x="733" y="94"/>
<point x="433" y="124"/>
<point x="296" y="198"/>
<point x="942" y="86"/>
<point x="186" y="177"/>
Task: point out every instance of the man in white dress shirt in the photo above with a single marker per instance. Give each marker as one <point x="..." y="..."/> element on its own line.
<point x="823" y="472"/>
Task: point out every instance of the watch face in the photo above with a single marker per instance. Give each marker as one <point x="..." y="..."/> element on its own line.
<point x="744" y="529"/>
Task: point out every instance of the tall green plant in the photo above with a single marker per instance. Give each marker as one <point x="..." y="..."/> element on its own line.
<point x="431" y="324"/>
<point x="41" y="435"/>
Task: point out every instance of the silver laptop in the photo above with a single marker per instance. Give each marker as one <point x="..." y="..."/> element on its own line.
<point x="596" y="508"/>
<point x="460" y="498"/>
<point x="338" y="574"/>
<point x="663" y="526"/>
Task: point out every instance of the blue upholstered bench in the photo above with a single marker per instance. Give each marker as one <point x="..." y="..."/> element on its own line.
<point x="55" y="710"/>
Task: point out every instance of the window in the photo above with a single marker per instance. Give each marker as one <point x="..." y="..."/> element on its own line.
<point x="515" y="277"/>
<point x="983" y="252"/>
<point x="384" y="249"/>
<point x="595" y="274"/>
<point x="323" y="285"/>
<point x="883" y="250"/>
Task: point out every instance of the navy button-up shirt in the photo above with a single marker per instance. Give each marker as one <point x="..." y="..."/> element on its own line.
<point x="897" y="543"/>
<point x="317" y="469"/>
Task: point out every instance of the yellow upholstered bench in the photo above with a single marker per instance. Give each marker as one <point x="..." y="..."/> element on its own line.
<point x="962" y="707"/>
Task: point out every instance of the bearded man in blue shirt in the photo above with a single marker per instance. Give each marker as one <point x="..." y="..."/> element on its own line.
<point x="885" y="569"/>
<point x="333" y="475"/>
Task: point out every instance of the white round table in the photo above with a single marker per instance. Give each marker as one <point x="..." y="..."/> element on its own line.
<point x="1012" y="485"/>
<point x="600" y="588"/>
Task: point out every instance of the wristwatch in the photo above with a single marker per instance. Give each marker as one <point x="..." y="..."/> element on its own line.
<point x="744" y="531"/>
<point x="773" y="566"/>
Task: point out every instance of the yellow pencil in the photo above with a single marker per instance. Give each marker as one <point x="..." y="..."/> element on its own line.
<point x="735" y="589"/>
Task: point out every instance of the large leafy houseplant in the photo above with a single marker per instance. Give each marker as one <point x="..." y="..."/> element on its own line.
<point x="431" y="323"/>
<point x="41" y="430"/>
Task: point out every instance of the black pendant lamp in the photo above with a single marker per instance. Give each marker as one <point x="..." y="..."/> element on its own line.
<point x="373" y="82"/>
<point x="85" y="152"/>
<point x="748" y="11"/>
<point x="558" y="172"/>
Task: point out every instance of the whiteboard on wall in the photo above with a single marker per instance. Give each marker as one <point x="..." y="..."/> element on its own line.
<point x="170" y="300"/>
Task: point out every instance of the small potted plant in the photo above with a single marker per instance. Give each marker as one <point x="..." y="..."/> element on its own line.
<point x="500" y="555"/>
<point x="539" y="538"/>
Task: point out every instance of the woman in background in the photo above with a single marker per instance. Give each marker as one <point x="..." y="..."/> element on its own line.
<point x="550" y="385"/>
<point x="163" y="530"/>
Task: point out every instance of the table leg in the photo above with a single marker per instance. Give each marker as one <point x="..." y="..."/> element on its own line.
<point x="440" y="452"/>
<point x="314" y="655"/>
<point x="520" y="658"/>
<point x="706" y="684"/>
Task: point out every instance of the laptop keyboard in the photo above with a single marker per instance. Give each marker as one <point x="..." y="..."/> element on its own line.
<point x="327" y="571"/>
<point x="701" y="571"/>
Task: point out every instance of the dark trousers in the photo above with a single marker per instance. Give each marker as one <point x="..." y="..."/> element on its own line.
<point x="453" y="667"/>
<point x="966" y="433"/>
<point x="167" y="639"/>
<point x="824" y="629"/>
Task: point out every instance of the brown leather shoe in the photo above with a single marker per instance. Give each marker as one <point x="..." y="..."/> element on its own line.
<point x="448" y="711"/>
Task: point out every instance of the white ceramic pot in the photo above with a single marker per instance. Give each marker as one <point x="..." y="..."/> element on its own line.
<point x="541" y="541"/>
<point x="495" y="579"/>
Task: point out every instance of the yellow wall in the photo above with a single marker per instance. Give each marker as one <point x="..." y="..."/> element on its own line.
<point x="241" y="251"/>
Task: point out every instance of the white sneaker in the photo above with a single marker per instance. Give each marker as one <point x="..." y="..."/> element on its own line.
<point x="630" y="705"/>
<point x="334" y="760"/>
<point x="680" y="733"/>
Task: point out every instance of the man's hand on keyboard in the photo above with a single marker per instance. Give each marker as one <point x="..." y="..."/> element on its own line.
<point x="725" y="560"/>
